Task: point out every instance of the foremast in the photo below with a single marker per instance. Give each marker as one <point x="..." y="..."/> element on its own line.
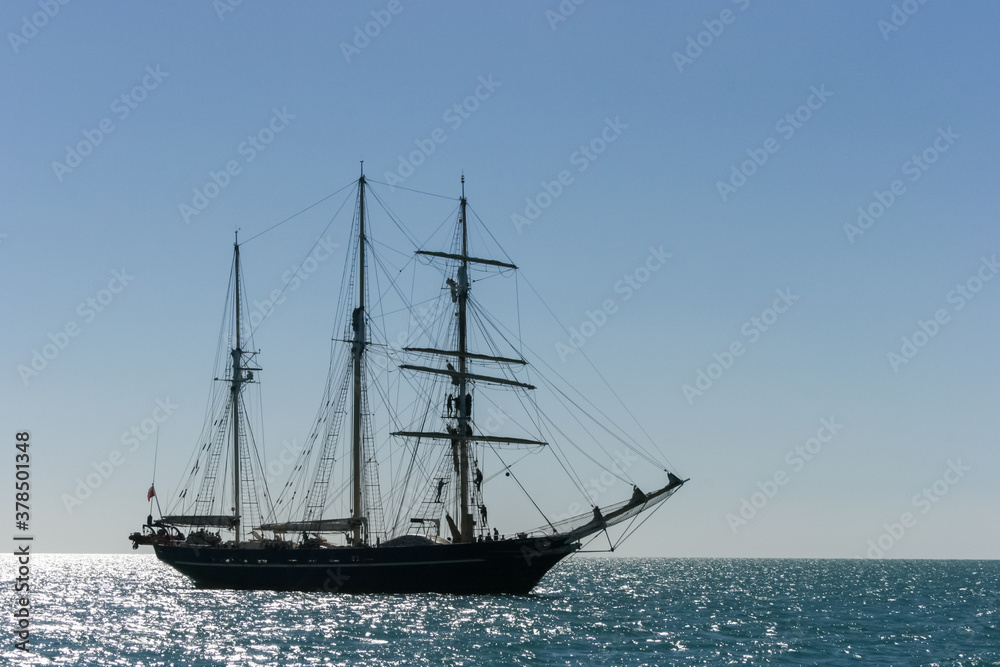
<point x="464" y="415"/>
<point x="461" y="436"/>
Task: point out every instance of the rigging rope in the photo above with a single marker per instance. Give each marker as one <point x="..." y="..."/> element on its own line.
<point x="432" y="194"/>
<point x="600" y="375"/>
<point x="636" y="447"/>
<point x="315" y="243"/>
<point x="294" y="215"/>
<point x="483" y="322"/>
<point x="526" y="494"/>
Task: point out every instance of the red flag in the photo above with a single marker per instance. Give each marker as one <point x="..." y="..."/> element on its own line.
<point x="150" y="493"/>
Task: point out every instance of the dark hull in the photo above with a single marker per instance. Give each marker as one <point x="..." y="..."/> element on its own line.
<point x="509" y="566"/>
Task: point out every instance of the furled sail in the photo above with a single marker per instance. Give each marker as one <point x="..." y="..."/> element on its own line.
<point x="316" y="526"/>
<point x="227" y="521"/>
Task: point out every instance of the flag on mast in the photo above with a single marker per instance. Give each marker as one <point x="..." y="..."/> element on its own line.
<point x="150" y="493"/>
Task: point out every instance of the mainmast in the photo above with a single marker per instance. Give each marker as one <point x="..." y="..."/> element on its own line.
<point x="236" y="385"/>
<point x="464" y="413"/>
<point x="357" y="351"/>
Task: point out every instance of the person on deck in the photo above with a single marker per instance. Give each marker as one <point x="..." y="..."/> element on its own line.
<point x="479" y="480"/>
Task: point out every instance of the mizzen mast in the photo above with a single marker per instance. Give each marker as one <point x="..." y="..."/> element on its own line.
<point x="235" y="387"/>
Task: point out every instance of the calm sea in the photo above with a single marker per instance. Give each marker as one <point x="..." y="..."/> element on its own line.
<point x="131" y="610"/>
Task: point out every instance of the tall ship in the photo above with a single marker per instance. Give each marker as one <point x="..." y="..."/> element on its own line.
<point x="414" y="435"/>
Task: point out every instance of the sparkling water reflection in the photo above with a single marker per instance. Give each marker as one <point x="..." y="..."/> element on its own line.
<point x="131" y="610"/>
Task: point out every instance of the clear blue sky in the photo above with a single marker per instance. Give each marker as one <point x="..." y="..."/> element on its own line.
<point x="677" y="118"/>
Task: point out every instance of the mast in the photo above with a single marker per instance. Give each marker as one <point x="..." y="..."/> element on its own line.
<point x="357" y="350"/>
<point x="464" y="414"/>
<point x="462" y="436"/>
<point x="237" y="381"/>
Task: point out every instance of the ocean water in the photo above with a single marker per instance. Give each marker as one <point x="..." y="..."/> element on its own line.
<point x="131" y="610"/>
